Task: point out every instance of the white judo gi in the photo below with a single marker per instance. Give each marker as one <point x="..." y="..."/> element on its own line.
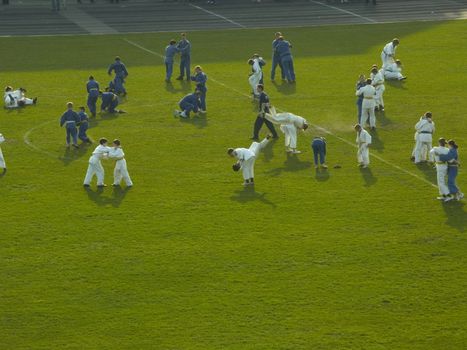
<point x="393" y="71"/>
<point x="388" y="54"/>
<point x="423" y="144"/>
<point x="289" y="123"/>
<point x="12" y="99"/>
<point x="441" y="169"/>
<point x="255" y="77"/>
<point x="363" y="141"/>
<point x="95" y="167"/>
<point x="377" y="80"/>
<point x="368" y="105"/>
<point x="247" y="158"/>
<point x="2" y="160"/>
<point x="120" y="171"/>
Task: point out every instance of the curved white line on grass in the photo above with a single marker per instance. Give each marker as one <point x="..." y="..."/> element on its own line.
<point x="218" y="15"/>
<point x="313" y="125"/>
<point x="31" y="145"/>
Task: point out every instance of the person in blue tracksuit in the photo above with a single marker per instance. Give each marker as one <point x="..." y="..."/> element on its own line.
<point x="170" y="51"/>
<point x="83" y="125"/>
<point x="120" y="75"/>
<point x="190" y="102"/>
<point x="319" y="150"/>
<point x="360" y="83"/>
<point x="109" y="102"/>
<point x="260" y="120"/>
<point x="452" y="159"/>
<point x="184" y="47"/>
<point x="92" y="87"/>
<point x="70" y="120"/>
<point x="200" y="78"/>
<point x="283" y="50"/>
<point x="276" y="59"/>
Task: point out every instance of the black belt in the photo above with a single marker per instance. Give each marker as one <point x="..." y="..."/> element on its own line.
<point x="425" y="132"/>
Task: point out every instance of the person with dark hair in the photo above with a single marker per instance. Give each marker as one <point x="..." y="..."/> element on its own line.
<point x="377" y="80"/>
<point x="70" y="119"/>
<point x="283" y="50"/>
<point x="95" y="166"/>
<point x="388" y="55"/>
<point x="394" y="71"/>
<point x="254" y="77"/>
<point x="184" y="47"/>
<point x="170" y="51"/>
<point x="260" y="119"/>
<point x="425" y="128"/>
<point x="318" y="146"/>
<point x="276" y="58"/>
<point x="452" y="160"/>
<point x="368" y="104"/>
<point x="189" y="103"/>
<point x="361" y="82"/>
<point x="120" y="171"/>
<point x="92" y="87"/>
<point x="109" y="102"/>
<point x="441" y="168"/>
<point x="246" y="158"/>
<point x="83" y="125"/>
<point x="120" y="75"/>
<point x="17" y="98"/>
<point x="363" y="143"/>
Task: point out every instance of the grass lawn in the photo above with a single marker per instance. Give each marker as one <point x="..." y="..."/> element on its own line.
<point x="188" y="259"/>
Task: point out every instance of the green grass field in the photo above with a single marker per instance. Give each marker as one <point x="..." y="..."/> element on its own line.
<point x="188" y="259"/>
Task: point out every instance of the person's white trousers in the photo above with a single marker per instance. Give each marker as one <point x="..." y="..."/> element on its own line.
<point x="121" y="173"/>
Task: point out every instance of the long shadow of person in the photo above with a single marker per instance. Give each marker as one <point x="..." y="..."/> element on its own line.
<point x="186" y="86"/>
<point x="382" y="118"/>
<point x="200" y="121"/>
<point x="368" y="177"/>
<point x="268" y="151"/>
<point x="71" y="154"/>
<point x="376" y="142"/>
<point x="118" y="194"/>
<point x="169" y="87"/>
<point x="96" y="196"/>
<point x="248" y="194"/>
<point x="456" y="215"/>
<point x="292" y="163"/>
<point x="285" y="88"/>
<point x="116" y="198"/>
<point x="428" y="171"/>
<point x="322" y="175"/>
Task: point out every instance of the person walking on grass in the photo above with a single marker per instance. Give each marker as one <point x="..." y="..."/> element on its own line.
<point x="70" y="120"/>
<point x="260" y="119"/>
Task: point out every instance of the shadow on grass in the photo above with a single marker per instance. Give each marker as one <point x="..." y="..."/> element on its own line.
<point x="368" y="177"/>
<point x="376" y="142"/>
<point x="71" y="154"/>
<point x="456" y="215"/>
<point x="322" y="174"/>
<point x="268" y="151"/>
<point x="396" y="84"/>
<point x="285" y="88"/>
<point x="249" y="194"/>
<point x="428" y="171"/>
<point x="382" y="119"/>
<point x="199" y="122"/>
<point x="292" y="163"/>
<point x="115" y="199"/>
<point x="185" y="86"/>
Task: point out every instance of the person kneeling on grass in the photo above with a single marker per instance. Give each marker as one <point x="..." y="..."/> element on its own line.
<point x="17" y="98"/>
<point x="120" y="171"/>
<point x="109" y="102"/>
<point x="190" y="102"/>
<point x="246" y="158"/>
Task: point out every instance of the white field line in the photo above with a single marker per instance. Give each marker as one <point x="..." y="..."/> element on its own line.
<point x="28" y="142"/>
<point x="344" y="11"/>
<point x="313" y="125"/>
<point x="218" y="15"/>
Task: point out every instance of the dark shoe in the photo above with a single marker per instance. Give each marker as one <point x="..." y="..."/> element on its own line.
<point x="254" y="139"/>
<point x="115" y="185"/>
<point x="101" y="186"/>
<point x="86" y="185"/>
<point x="4" y="171"/>
<point x="34" y="101"/>
<point x="179" y="78"/>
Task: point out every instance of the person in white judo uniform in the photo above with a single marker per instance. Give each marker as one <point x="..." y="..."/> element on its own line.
<point x="393" y="71"/>
<point x="425" y="128"/>
<point x="441" y="168"/>
<point x="289" y="124"/>
<point x="377" y="80"/>
<point x="368" y="105"/>
<point x="388" y="55"/>
<point x="95" y="166"/>
<point x="246" y="158"/>
<point x="120" y="170"/>
<point x="363" y="142"/>
<point x="17" y="98"/>
<point x="255" y="75"/>
<point x="2" y="159"/>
